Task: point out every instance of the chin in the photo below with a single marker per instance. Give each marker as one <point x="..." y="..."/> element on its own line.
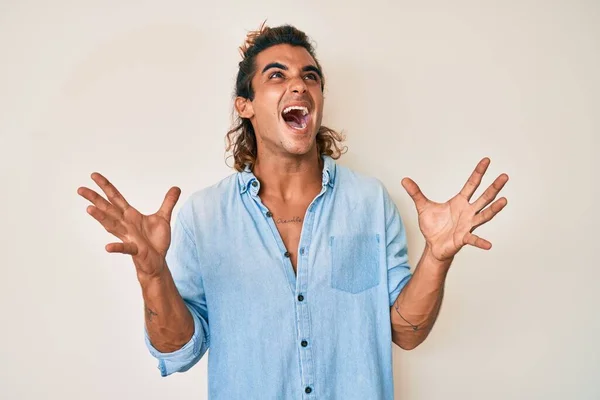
<point x="298" y="143"/>
<point x="298" y="149"/>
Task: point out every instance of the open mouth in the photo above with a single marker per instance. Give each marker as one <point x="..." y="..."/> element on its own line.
<point x="296" y="117"/>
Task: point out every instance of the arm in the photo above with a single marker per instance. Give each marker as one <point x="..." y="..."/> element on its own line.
<point x="447" y="228"/>
<point x="169" y="322"/>
<point x="415" y="311"/>
<point x="176" y="328"/>
<point x="176" y="318"/>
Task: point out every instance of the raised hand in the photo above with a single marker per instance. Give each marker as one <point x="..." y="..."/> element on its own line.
<point x="449" y="226"/>
<point x="145" y="237"/>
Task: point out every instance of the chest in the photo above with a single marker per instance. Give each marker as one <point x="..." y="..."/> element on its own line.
<point x="289" y="220"/>
<point x="336" y="254"/>
<point x="335" y="239"/>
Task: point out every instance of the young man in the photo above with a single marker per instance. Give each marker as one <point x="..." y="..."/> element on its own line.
<point x="293" y="270"/>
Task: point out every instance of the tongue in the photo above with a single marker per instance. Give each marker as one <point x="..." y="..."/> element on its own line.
<point x="293" y="120"/>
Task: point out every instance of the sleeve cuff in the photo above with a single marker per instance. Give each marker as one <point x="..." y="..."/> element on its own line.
<point x="396" y="292"/>
<point x="183" y="359"/>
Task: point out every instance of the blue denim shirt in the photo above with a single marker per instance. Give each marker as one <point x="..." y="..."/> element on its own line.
<point x="323" y="333"/>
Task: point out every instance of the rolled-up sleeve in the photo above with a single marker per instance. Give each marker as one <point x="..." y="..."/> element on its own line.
<point x="183" y="262"/>
<point x="396" y="249"/>
<point x="185" y="358"/>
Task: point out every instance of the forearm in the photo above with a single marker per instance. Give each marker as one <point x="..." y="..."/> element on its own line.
<point x="168" y="320"/>
<point x="416" y="308"/>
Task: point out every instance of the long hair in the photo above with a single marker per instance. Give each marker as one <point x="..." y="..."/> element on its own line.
<point x="241" y="138"/>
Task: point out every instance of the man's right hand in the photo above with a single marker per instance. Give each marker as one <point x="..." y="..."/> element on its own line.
<point x="145" y="237"/>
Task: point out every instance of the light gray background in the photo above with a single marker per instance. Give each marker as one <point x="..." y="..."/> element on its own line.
<point x="141" y="92"/>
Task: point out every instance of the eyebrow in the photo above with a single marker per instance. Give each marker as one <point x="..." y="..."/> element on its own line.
<point x="313" y="69"/>
<point x="285" y="68"/>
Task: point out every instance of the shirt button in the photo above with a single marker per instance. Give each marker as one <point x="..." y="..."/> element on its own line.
<point x="307" y="389"/>
<point x="302" y="251"/>
<point x="254" y="183"/>
<point x="287" y="254"/>
<point x="269" y="214"/>
<point x="304" y="343"/>
<point x="300" y="297"/>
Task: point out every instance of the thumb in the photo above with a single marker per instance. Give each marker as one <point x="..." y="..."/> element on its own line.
<point x="414" y="192"/>
<point x="171" y="198"/>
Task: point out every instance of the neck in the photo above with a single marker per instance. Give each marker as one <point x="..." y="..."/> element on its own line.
<point x="289" y="177"/>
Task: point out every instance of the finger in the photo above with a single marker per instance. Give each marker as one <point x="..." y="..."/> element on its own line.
<point x="166" y="209"/>
<point x="490" y="212"/>
<point x="490" y="193"/>
<point x="415" y="193"/>
<point x="111" y="192"/>
<point x="99" y="202"/>
<point x="475" y="179"/>
<point x="476" y="241"/>
<point x="110" y="224"/>
<point x="125" y="248"/>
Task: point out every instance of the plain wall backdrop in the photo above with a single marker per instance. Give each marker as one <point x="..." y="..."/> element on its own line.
<point x="142" y="92"/>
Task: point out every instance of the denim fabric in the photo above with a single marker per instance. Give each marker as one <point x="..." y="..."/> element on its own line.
<point x="324" y="333"/>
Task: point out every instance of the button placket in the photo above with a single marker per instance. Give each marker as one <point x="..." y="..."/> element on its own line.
<point x="307" y="367"/>
<point x="302" y="306"/>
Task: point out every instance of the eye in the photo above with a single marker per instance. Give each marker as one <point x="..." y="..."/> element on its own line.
<point x="276" y="74"/>
<point x="312" y="76"/>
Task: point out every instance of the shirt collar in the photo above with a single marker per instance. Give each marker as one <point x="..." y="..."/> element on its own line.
<point x="247" y="180"/>
<point x="329" y="168"/>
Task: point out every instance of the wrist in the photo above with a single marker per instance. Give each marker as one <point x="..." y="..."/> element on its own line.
<point x="435" y="263"/>
<point x="154" y="278"/>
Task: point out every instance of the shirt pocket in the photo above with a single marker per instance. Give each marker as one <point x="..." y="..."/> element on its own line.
<point x="354" y="262"/>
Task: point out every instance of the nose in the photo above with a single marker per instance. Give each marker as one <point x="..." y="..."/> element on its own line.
<point x="297" y="85"/>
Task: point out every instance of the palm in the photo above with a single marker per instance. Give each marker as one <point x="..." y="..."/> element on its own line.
<point x="446" y="223"/>
<point x="449" y="226"/>
<point x="150" y="234"/>
<point x="157" y="233"/>
<point x="145" y="237"/>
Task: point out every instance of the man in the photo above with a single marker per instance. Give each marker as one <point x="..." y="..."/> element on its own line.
<point x="293" y="270"/>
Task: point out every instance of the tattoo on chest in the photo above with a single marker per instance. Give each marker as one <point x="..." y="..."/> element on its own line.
<point x="287" y="221"/>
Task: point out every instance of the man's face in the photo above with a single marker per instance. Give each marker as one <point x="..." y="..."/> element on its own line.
<point x="287" y="108"/>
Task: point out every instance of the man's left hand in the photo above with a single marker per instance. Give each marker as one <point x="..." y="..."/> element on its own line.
<point x="449" y="226"/>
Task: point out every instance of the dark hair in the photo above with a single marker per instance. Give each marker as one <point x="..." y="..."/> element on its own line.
<point x="241" y="139"/>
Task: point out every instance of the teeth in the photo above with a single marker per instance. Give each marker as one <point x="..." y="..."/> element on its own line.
<point x="303" y="109"/>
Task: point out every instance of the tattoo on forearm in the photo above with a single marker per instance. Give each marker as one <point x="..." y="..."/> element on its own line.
<point x="287" y="221"/>
<point x="150" y="314"/>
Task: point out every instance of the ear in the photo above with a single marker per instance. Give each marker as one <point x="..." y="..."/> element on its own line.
<point x="244" y="107"/>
